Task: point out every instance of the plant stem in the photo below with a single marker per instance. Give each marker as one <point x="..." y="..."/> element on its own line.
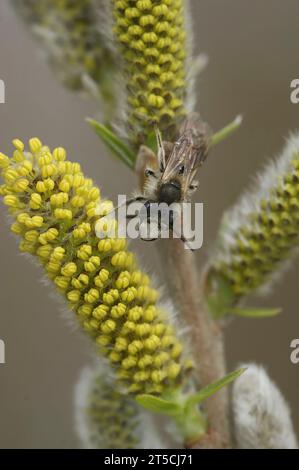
<point x="206" y="337"/>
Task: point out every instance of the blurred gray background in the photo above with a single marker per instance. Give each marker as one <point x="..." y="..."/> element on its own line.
<point x="253" y="49"/>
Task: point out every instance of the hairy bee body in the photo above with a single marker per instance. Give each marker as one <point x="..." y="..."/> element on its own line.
<point x="169" y="177"/>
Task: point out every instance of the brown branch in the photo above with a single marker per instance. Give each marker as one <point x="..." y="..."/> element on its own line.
<point x="206" y="337"/>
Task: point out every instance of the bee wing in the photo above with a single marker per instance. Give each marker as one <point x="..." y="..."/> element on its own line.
<point x="174" y="162"/>
<point x="189" y="151"/>
<point x="192" y="121"/>
<point x="191" y="165"/>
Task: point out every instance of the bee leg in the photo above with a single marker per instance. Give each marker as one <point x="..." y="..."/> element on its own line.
<point x="136" y="199"/>
<point x="128" y="202"/>
<point x="149" y="235"/>
<point x="184" y="240"/>
<point x="182" y="237"/>
<point x="193" y="187"/>
<point x="148" y="239"/>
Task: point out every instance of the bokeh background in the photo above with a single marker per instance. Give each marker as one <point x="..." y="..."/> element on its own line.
<point x="253" y="49"/>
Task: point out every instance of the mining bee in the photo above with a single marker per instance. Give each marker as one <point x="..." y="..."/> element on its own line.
<point x="169" y="176"/>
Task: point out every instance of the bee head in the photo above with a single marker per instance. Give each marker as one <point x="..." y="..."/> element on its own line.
<point x="170" y="192"/>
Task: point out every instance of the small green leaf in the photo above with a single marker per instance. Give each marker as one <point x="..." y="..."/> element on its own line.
<point x="151" y="142"/>
<point x="219" y="296"/>
<point x="226" y="131"/>
<point x="209" y="390"/>
<point x="113" y="143"/>
<point x="255" y="312"/>
<point x="158" y="405"/>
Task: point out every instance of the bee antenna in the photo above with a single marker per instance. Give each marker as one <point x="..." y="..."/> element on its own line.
<point x="161" y="150"/>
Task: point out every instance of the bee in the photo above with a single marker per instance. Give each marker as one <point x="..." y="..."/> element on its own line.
<point x="178" y="163"/>
<point x="169" y="176"/>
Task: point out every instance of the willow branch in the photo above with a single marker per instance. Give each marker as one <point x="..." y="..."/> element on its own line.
<point x="206" y="336"/>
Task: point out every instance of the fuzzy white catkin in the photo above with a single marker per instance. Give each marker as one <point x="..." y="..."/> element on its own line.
<point x="249" y="203"/>
<point x="261" y="415"/>
<point x="81" y="394"/>
<point x="147" y="431"/>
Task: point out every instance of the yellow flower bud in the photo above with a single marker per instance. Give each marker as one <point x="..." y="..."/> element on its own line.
<point x="10" y="175"/>
<point x="62" y="282"/>
<point x="35" y="201"/>
<point x="11" y="201"/>
<point x="41" y="187"/>
<point x="16" y="228"/>
<point x="84" y="252"/>
<point x="69" y="269"/>
<point x="74" y="296"/>
<point x="93" y="263"/>
<point x="92" y="296"/>
<point x="63" y="214"/>
<point x="25" y="168"/>
<point x="77" y="201"/>
<point x="35" y="145"/>
<point x="49" y="184"/>
<point x="45" y="159"/>
<point x="59" y="154"/>
<point x="18" y="156"/>
<point x="64" y="186"/>
<point x="18" y="144"/>
<point x="4" y="161"/>
<point x="31" y="235"/>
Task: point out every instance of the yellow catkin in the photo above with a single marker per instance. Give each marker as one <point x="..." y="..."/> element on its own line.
<point x="71" y="34"/>
<point x="259" y="234"/>
<point x="152" y="38"/>
<point x="112" y="299"/>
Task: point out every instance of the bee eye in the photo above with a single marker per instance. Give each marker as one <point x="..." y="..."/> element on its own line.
<point x="181" y="169"/>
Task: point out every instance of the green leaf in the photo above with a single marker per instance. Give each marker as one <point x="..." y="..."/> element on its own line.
<point x="255" y="312"/>
<point x="226" y="131"/>
<point x="209" y="390"/>
<point x="158" y="405"/>
<point x="113" y="143"/>
<point x="219" y="296"/>
<point x="151" y="142"/>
